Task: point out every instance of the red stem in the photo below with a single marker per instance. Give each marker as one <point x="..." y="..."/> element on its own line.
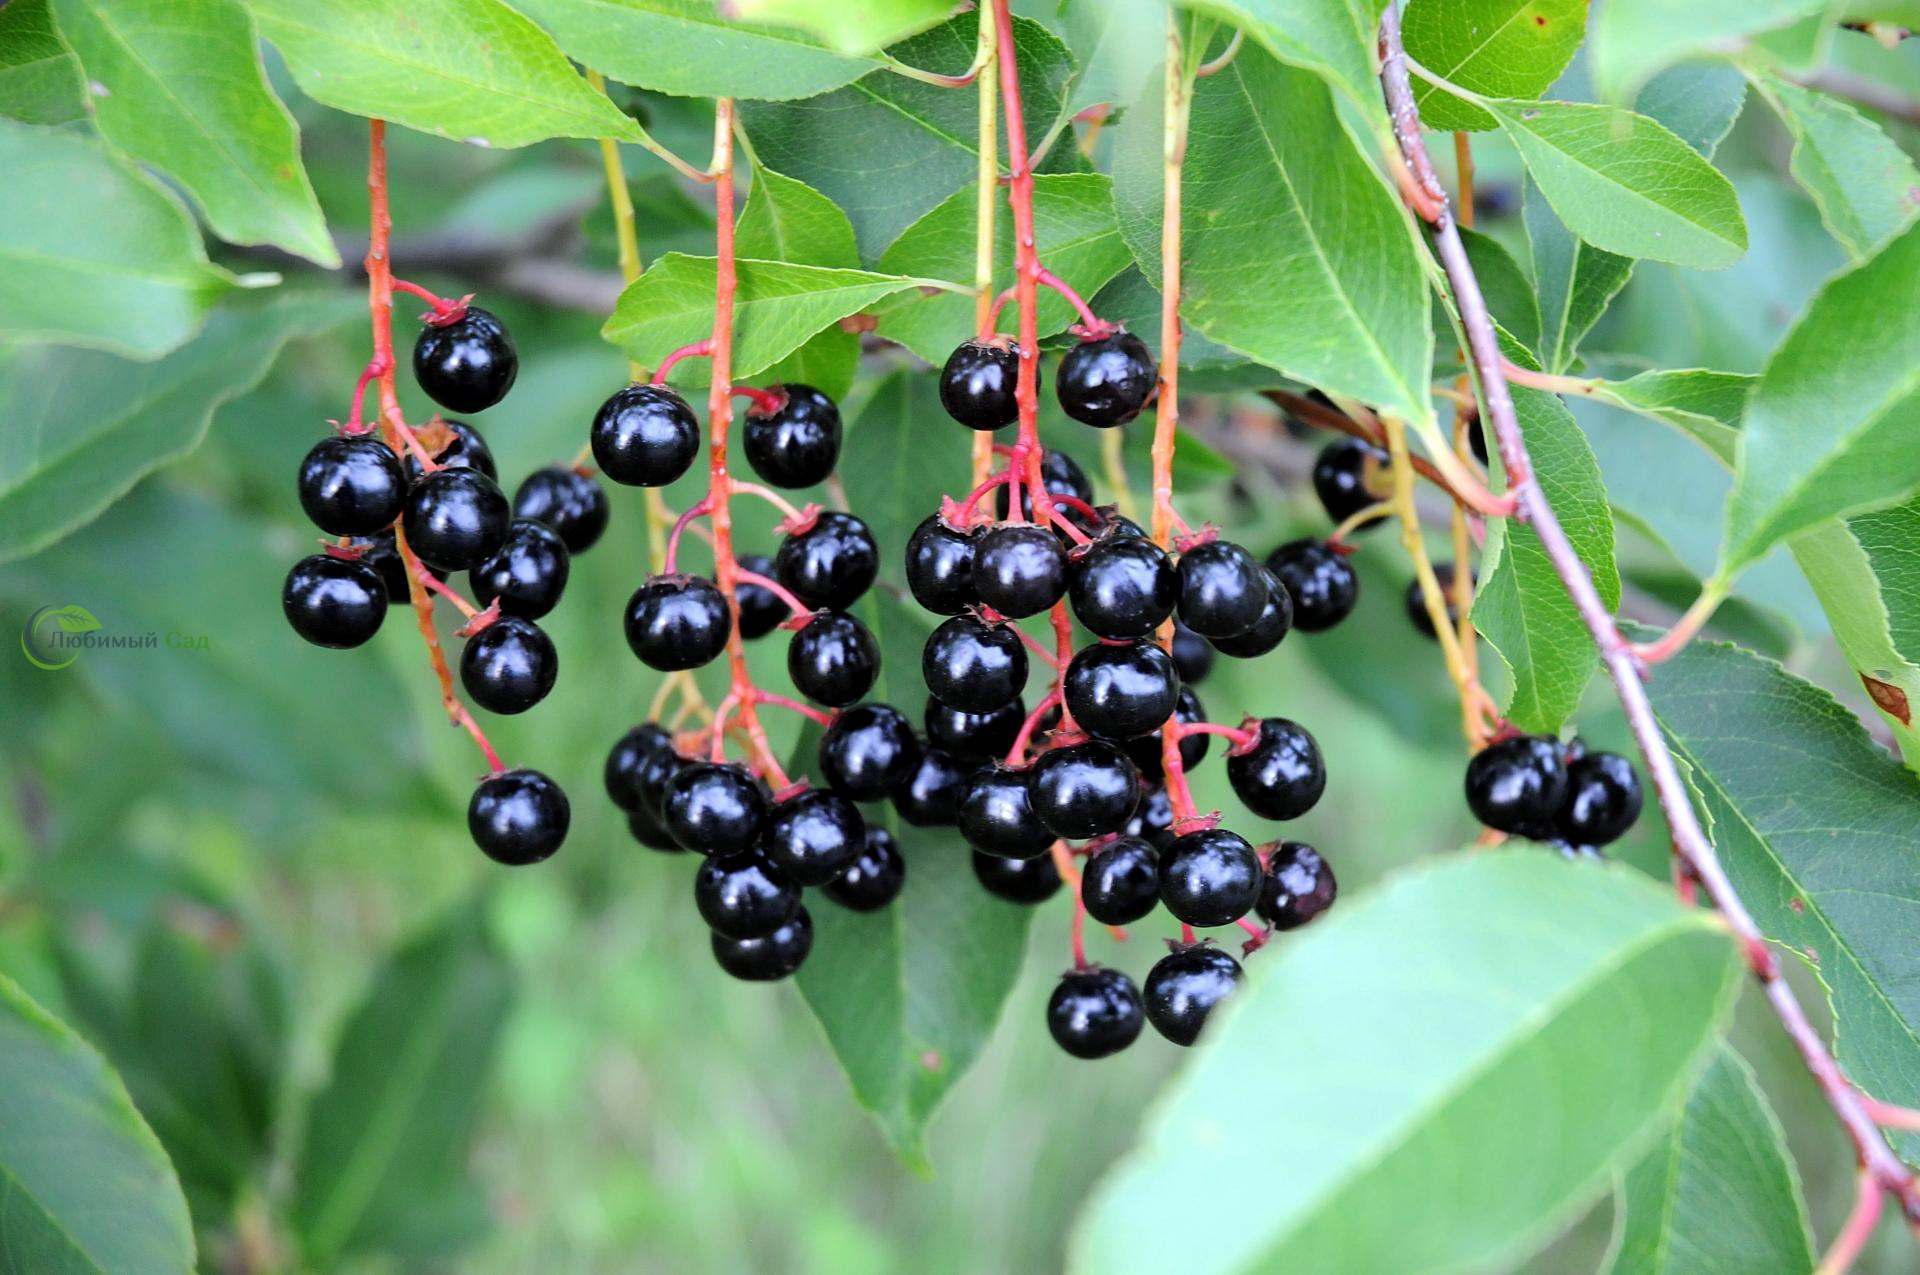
<point x="773" y="498"/>
<point x="821" y="716"/>
<point x="1241" y="737"/>
<point x="778" y="590"/>
<point x="765" y="402"/>
<point x="1025" y="737"/>
<point x="699" y="349"/>
<point x="373" y="368"/>
<point x="444" y="311"/>
<point x="698" y="509"/>
<point x="1092" y="325"/>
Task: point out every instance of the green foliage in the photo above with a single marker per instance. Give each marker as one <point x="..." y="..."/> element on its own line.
<point x="39" y="77"/>
<point x="1507" y="48"/>
<point x="1867" y="188"/>
<point x="1633" y="39"/>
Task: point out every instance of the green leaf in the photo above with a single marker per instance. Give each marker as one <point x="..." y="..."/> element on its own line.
<point x="65" y="458"/>
<point x="1295" y="254"/>
<point x="1577" y="1001"/>
<point x="685" y="47"/>
<point x="1719" y="1191"/>
<point x="1334" y="39"/>
<point x="888" y="149"/>
<point x="1625" y="183"/>
<point x="88" y="1189"/>
<point x="384" y="1165"/>
<point x="1864" y="184"/>
<point x="1831" y="424"/>
<point x="1816" y="826"/>
<point x="92" y="253"/>
<point x="1633" y="39"/>
<point x="39" y="76"/>
<point x="181" y="87"/>
<point x="786" y="220"/>
<point x="1496" y="48"/>
<point x="1073" y="225"/>
<point x="853" y="26"/>
<point x="1866" y="574"/>
<point x="1106" y="37"/>
<point x="1702" y="403"/>
<point x="471" y="70"/>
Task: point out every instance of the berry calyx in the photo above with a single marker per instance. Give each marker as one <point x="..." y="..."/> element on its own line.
<point x="1298" y="886"/>
<point x="868" y="752"/>
<point x="1019" y="569"/>
<point x="875" y="877"/>
<point x="997" y="816"/>
<point x="1122" y="586"/>
<point x="768" y="959"/>
<point x="509" y="666"/>
<point x="572" y="504"/>
<point x="467" y="365"/>
<point x="977" y="384"/>
<point x="813" y="836"/>
<point x="931" y="793"/>
<point x="1083" y="790"/>
<point x="830" y="564"/>
<point x="1281" y="775"/>
<point x="1350" y="475"/>
<point x="1119" y="691"/>
<point x="528" y="573"/>
<point x="1106" y="381"/>
<point x="352" y="486"/>
<point x="1023" y="881"/>
<point x="1210" y="877"/>
<point x="714" y="809"/>
<point x="1185" y="986"/>
<point x="676" y="622"/>
<point x="1320" y="581"/>
<point x="644" y="436"/>
<point x="833" y="659"/>
<point x="1603" y="799"/>
<point x="1517" y="785"/>
<point x="1121" y="883"/>
<point x="798" y="444"/>
<point x="455" y="519"/>
<point x="940" y="567"/>
<point x="972" y="665"/>
<point x="1094" y="1012"/>
<point x="1223" y="591"/>
<point x="742" y="896"/>
<point x="518" y="817"/>
<point x="334" y="602"/>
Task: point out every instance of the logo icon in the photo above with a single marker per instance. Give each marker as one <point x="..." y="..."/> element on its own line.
<point x="41" y="639"/>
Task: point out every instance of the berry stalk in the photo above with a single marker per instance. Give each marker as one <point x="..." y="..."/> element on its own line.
<point x="986" y="207"/>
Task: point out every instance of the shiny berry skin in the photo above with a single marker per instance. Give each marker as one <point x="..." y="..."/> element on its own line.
<point x="1022" y="881"/>
<point x="1417" y="599"/>
<point x="814" y="836"/>
<point x="1275" y="622"/>
<point x="769" y="959"/>
<point x="1063" y="477"/>
<point x="335" y="602"/>
<point x="868" y="752"/>
<point x="977" y="384"/>
<point x="1152" y="820"/>
<point x="742" y="896"/>
<point x="940" y="567"/>
<point x="1118" y="692"/>
<point x="644" y="436"/>
<point x="874" y="879"/>
<point x="351" y="486"/>
<point x="645" y="827"/>
<point x="997" y="816"/>
<point x="930" y="795"/>
<point x="456" y="519"/>
<point x="834" y="660"/>
<point x="1105" y="382"/>
<point x="1575" y="850"/>
<point x="798" y="444"/>
<point x="518" y="817"/>
<point x="381" y="553"/>
<point x="1282" y="775"/>
<point x="465" y="449"/>
<point x="1083" y="790"/>
<point x="527" y="575"/>
<point x="1603" y="799"/>
<point x="1193" y="654"/>
<point x="1349" y="476"/>
<point x="761" y="609"/>
<point x="1121" y="883"/>
<point x="509" y="666"/>
<point x="831" y="564"/>
<point x="650" y="782"/>
<point x="1094" y="1012"/>
<point x="1145" y="749"/>
<point x="1298" y="886"/>
<point x="1517" y="785"/>
<point x="975" y="735"/>
<point x="1223" y="591"/>
<point x="1122" y="586"/>
<point x="1185" y="986"/>
<point x="677" y="622"/>
<point x="1320" y="582"/>
<point x="1210" y="877"/>
<point x="466" y="365"/>
<point x="626" y="760"/>
<point x="1019" y="569"/>
<point x="972" y="665"/>
<point x="714" y="809"/>
<point x="572" y="504"/>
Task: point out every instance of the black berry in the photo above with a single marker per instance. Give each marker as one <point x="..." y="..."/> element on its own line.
<point x="1282" y="775"/>
<point x="571" y="503"/>
<point x="798" y="444"/>
<point x="761" y="609"/>
<point x="1320" y="581"/>
<point x="765" y="960"/>
<point x="930" y="795"/>
<point x="676" y="622"/>
<point x="456" y="519"/>
<point x="467" y="365"/>
<point x="351" y="486"/>
<point x="868" y="752"/>
<point x="1094" y="1012"/>
<point x="975" y="735"/>
<point x="1105" y="382"/>
<point x="997" y="816"/>
<point x="830" y="564"/>
<point x="1062" y="476"/>
<point x="1193" y="655"/>
<point x="1023" y="881"/>
<point x="646" y="828"/>
<point x="1121" y="883"/>
<point x="627" y="759"/>
<point x="380" y="552"/>
<point x="977" y="384"/>
<point x="875" y="877"/>
<point x="336" y="602"/>
<point x="1297" y="887"/>
<point x="1349" y="476"/>
<point x="940" y="567"/>
<point x="1603" y="799"/>
<point x="518" y="817"/>
<point x="833" y="659"/>
<point x="1119" y="691"/>
<point x="645" y="436"/>
<point x="814" y="835"/>
<point x="1146" y="752"/>
<point x="742" y="896"/>
<point x="528" y="574"/>
<point x="714" y="809"/>
<point x="1019" y="569"/>
<point x="1122" y="586"/>
<point x="1223" y="591"/>
<point x="1210" y="877"/>
<point x="1152" y="820"/>
<point x="1083" y="790"/>
<point x="1517" y="785"/>
<point x="465" y="448"/>
<point x="1185" y="986"/>
<point x="1275" y="622"/>
<point x="972" y="665"/>
<point x="509" y="666"/>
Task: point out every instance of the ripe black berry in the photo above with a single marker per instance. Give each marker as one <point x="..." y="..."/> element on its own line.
<point x="571" y="503"/>
<point x="834" y="659"/>
<point x="972" y="665"/>
<point x="1019" y="569"/>
<point x="1275" y="622"/>
<point x="1298" y="886"/>
<point x="625" y="761"/>
<point x="1417" y="599"/>
<point x="1121" y="883"/>
<point x="518" y="817"/>
<point x="1122" y="586"/>
<point x="381" y="553"/>
<point x="1094" y="1012"/>
<point x="467" y="365"/>
<point x="646" y="828"/>
<point x="1210" y="877"/>
<point x="1185" y="986"/>
<point x="1282" y="775"/>
<point x="336" y="602"/>
<point x="655" y="772"/>
<point x="1023" y="881"/>
<point x="1152" y="820"/>
<point x="831" y="563"/>
<point x="714" y="809"/>
<point x="1223" y="591"/>
<point x="464" y="449"/>
<point x="761" y="609"/>
<point x="1117" y="692"/>
<point x="1320" y="581"/>
<point x="940" y="567"/>
<point x="974" y="735"/>
<point x="1193" y="655"/>
<point x="874" y="878"/>
<point x="1517" y="785"/>
<point x="868" y="752"/>
<point x="814" y="835"/>
<point x="351" y="486"/>
<point x="1349" y="476"/>
<point x="676" y="622"/>
<point x="1145" y="749"/>
<point x="1105" y="382"/>
<point x="456" y="519"/>
<point x="1062" y="476"/>
<point x="1083" y="790"/>
<point x="1603" y="799"/>
<point x="528" y="574"/>
<point x="742" y="896"/>
<point x="798" y="444"/>
<point x="509" y="666"/>
<point x="930" y="795"/>
<point x="765" y="960"/>
<point x="645" y="436"/>
<point x="997" y="816"/>
<point x="977" y="384"/>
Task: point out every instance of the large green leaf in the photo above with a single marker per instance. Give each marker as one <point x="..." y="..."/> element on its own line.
<point x="1632" y="39"/>
<point x="1819" y="830"/>
<point x="39" y="77"/>
<point x="1496" y="48"/>
<point x="1831" y="425"/>
<point x="1107" y="39"/>
<point x="181" y="87"/>
<point x="852" y="26"/>
<point x="1464" y="1055"/>
<point x="1625" y="183"/>
<point x="1296" y="254"/>
<point x="1718" y="1192"/>
<point x="92" y="253"/>
<point x="786" y="220"/>
<point x="88" y="1189"/>
<point x="1866" y="572"/>
<point x="1334" y="39"/>
<point x="384" y="1165"/>
<point x="471" y="70"/>
<point x="1864" y="184"/>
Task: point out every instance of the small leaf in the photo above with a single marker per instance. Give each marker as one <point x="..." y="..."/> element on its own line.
<point x="1574" y="999"/>
<point x="786" y="220"/>
<point x="853" y="28"/>
<point x="1496" y="48"/>
<point x="1633" y="39"/>
<point x="1700" y="402"/>
<point x="1864" y="184"/>
<point x="1106" y="37"/>
<point x="1867" y="577"/>
<point x="39" y="76"/>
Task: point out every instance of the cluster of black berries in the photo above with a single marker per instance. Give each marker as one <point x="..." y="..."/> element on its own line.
<point x="1536" y="787"/>
<point x="1316" y="572"/>
<point x="455" y="518"/>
